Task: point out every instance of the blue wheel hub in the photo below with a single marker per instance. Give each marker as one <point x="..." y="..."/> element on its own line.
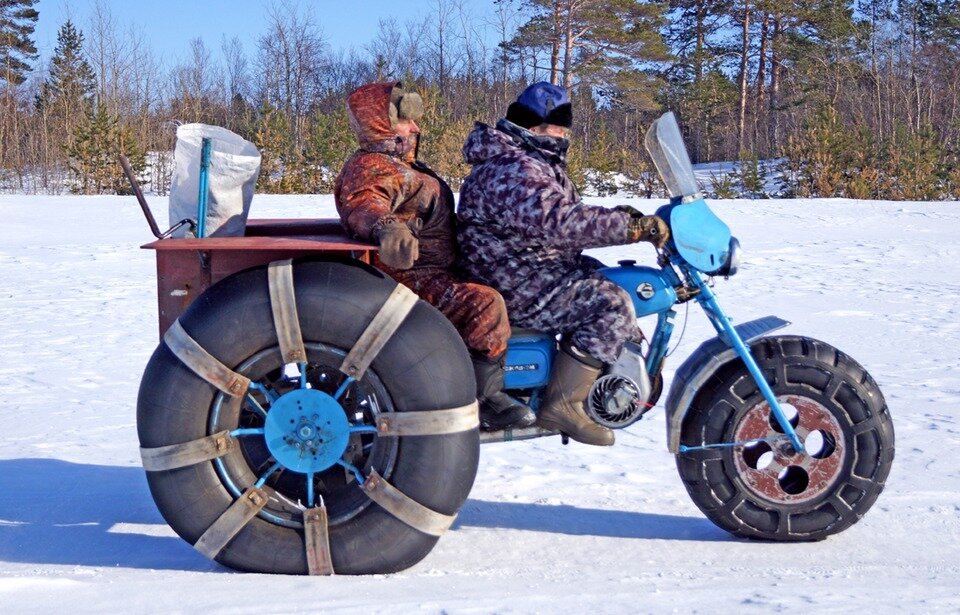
<point x="306" y="431"/>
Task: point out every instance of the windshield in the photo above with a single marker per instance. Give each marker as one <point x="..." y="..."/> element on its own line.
<point x="670" y="156"/>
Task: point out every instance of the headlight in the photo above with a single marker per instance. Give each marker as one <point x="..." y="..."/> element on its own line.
<point x="733" y="260"/>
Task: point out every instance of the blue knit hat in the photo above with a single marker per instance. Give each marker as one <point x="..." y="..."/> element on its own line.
<point x="541" y="103"/>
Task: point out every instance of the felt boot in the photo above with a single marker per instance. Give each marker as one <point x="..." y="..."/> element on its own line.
<point x="562" y="408"/>
<point x="497" y="409"/>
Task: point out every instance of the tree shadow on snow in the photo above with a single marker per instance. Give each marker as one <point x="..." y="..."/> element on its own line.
<point x="566" y="519"/>
<point x="57" y="512"/>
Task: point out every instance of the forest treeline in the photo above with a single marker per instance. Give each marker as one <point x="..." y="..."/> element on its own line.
<point x="823" y="98"/>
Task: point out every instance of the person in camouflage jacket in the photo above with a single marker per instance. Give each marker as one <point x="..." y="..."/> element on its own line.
<point x="522" y="227"/>
<point x="386" y="196"/>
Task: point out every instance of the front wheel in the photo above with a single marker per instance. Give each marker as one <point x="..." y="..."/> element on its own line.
<point x="765" y="490"/>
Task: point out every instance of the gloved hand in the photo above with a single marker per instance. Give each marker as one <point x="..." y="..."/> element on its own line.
<point x="645" y="228"/>
<point x="399" y="247"/>
<point x="649" y="228"/>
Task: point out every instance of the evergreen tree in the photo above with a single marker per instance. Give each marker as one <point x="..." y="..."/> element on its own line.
<point x="593" y="39"/>
<point x="69" y="89"/>
<point x="697" y="88"/>
<point x="272" y="137"/>
<point x="329" y="144"/>
<point x="18" y="19"/>
<point x="98" y="140"/>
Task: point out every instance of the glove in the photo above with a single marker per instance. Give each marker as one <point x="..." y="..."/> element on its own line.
<point x="645" y="228"/>
<point x="399" y="247"/>
<point x="649" y="228"/>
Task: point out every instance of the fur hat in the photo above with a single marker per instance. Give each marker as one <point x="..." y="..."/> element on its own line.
<point x="405" y="105"/>
<point x="541" y="103"/>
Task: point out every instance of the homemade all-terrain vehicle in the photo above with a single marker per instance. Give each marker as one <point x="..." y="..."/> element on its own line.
<point x="304" y="413"/>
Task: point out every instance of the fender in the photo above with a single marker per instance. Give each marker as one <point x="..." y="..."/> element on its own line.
<point x="704" y="363"/>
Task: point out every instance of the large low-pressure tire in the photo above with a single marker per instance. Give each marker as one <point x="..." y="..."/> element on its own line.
<point x="764" y="490"/>
<point x="424" y="366"/>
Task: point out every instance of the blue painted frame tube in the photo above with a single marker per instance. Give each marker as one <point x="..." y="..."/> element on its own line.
<point x="660" y="340"/>
<point x="722" y="323"/>
<point x="205" y="149"/>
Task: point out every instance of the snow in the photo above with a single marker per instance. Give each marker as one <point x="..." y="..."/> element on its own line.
<point x="547" y="527"/>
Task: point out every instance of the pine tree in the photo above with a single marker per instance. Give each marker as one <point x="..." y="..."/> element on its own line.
<point x="604" y="162"/>
<point x="18" y="19"/>
<point x="329" y="144"/>
<point x="594" y="39"/>
<point x="69" y="90"/>
<point x="272" y="137"/>
<point x="98" y="141"/>
<point x="697" y="87"/>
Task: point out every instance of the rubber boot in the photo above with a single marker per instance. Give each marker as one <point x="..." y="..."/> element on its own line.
<point x="497" y="409"/>
<point x="562" y="408"/>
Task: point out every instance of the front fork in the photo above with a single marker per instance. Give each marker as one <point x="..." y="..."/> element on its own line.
<point x="728" y="333"/>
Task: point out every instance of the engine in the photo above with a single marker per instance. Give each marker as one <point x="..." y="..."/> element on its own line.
<point x="619" y="397"/>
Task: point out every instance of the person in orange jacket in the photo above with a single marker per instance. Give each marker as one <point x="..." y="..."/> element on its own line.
<point x="384" y="195"/>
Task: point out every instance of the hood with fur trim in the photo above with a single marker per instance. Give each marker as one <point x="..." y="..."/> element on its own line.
<point x="368" y="108"/>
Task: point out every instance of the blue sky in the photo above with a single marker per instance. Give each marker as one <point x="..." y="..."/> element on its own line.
<point x="169" y="25"/>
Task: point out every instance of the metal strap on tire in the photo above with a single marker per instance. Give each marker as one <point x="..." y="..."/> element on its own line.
<point x="188" y="453"/>
<point x="379" y="331"/>
<point x="317" y="535"/>
<point x="231" y="522"/>
<point x="283" y="303"/>
<point x="202" y="363"/>
<point x="432" y="423"/>
<point x="402" y="507"/>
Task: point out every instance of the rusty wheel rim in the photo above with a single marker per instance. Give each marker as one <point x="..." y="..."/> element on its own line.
<point x="773" y="470"/>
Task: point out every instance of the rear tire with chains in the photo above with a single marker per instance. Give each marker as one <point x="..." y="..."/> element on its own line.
<point x="424" y="366"/>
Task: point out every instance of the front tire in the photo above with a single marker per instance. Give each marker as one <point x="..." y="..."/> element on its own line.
<point x="763" y="489"/>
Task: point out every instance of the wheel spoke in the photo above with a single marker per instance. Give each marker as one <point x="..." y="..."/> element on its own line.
<point x="247" y="431"/>
<point x="270" y="394"/>
<point x="263" y="479"/>
<point x="303" y="375"/>
<point x="256" y="405"/>
<point x="356" y="471"/>
<point x="363" y="429"/>
<point x="343" y="387"/>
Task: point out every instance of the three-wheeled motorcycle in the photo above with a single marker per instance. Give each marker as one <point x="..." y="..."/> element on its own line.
<point x="304" y="413"/>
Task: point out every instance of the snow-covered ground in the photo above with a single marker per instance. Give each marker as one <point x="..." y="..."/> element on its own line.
<point x="547" y="528"/>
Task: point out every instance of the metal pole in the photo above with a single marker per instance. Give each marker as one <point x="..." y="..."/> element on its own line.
<point x="202" y="199"/>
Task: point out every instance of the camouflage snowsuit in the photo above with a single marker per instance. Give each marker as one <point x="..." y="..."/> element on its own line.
<point x="522" y="227"/>
<point x="380" y="184"/>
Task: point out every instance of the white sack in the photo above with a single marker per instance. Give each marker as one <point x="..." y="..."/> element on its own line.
<point x="234" y="167"/>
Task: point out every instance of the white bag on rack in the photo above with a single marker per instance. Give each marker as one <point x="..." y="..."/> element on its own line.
<point x="232" y="176"/>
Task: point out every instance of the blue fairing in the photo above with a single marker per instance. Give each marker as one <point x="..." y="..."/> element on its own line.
<point x="701" y="238"/>
<point x="649" y="288"/>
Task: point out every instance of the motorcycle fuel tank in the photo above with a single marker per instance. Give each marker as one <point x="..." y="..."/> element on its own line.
<point x="650" y="290"/>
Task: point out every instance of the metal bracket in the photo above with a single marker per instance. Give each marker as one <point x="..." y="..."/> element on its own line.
<point x="379" y="331"/>
<point x="188" y="453"/>
<point x="317" y="536"/>
<point x="429" y="423"/>
<point x="231" y="522"/>
<point x="283" y="303"/>
<point x="398" y="504"/>
<point x="202" y="363"/>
